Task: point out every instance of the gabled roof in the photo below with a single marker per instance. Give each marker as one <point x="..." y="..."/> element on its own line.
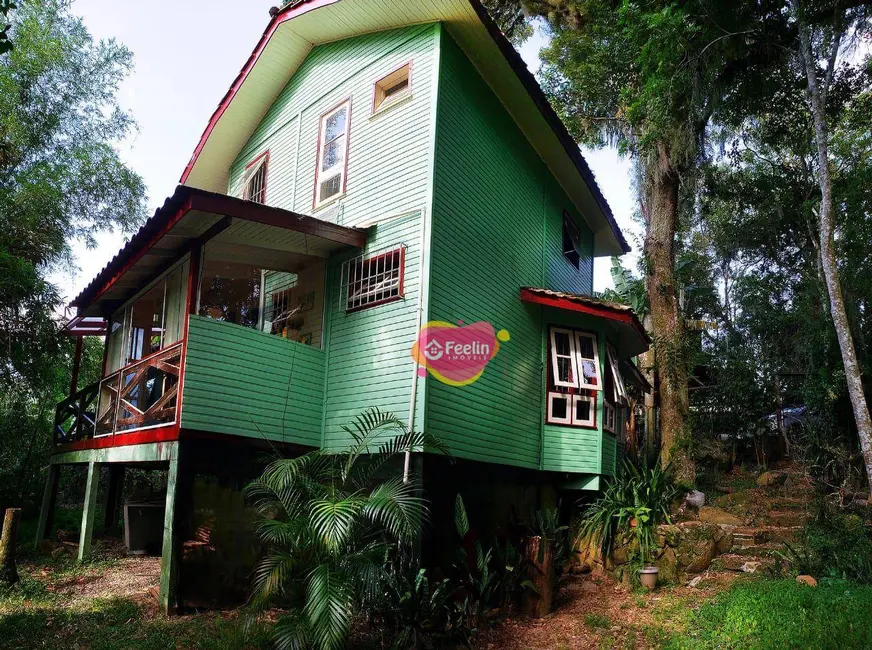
<point x="632" y="337"/>
<point x="301" y="25"/>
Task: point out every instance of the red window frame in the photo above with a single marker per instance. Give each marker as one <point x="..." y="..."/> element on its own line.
<point x="368" y="262"/>
<point x="265" y="157"/>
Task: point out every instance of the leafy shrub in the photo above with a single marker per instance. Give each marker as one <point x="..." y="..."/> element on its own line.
<point x="638" y="500"/>
<point x="416" y="611"/>
<point x="782" y="614"/>
<point x="831" y="455"/>
<point x="834" y="546"/>
<point x="332" y="529"/>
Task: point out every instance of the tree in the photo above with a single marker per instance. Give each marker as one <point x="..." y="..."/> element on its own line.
<point x="5" y="7"/>
<point x="823" y="28"/>
<point x="648" y="77"/>
<point x="332" y="526"/>
<point x="61" y="178"/>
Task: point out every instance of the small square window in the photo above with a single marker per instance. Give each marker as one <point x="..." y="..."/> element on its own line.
<point x="374" y="280"/>
<point x="571" y="240"/>
<point x="392" y="87"/>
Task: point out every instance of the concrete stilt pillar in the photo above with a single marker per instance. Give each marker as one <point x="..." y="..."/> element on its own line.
<point x="90" y="509"/>
<point x="169" y="570"/>
<point x="49" y="497"/>
<point x="113" y="495"/>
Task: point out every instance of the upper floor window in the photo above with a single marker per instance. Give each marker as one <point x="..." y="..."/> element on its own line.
<point x="392" y="87"/>
<point x="254" y="181"/>
<point x="332" y="162"/>
<point x="573" y="377"/>
<point x="374" y="280"/>
<point x="571" y="240"/>
<point x="614" y="392"/>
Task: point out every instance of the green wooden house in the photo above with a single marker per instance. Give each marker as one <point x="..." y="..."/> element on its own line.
<point x="380" y="171"/>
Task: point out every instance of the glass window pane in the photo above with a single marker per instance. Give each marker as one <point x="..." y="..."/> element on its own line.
<point x="582" y="410"/>
<point x="559" y="407"/>
<point x="590" y="374"/>
<point x="562" y="343"/>
<point x="564" y="369"/>
<point x="146" y="324"/>
<point x="585" y="349"/>
<point x="330" y="187"/>
<point x="230" y="292"/>
<point x="334" y="154"/>
<point x="335" y="125"/>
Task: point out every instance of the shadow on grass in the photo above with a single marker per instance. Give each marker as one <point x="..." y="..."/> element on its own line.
<point x="110" y="624"/>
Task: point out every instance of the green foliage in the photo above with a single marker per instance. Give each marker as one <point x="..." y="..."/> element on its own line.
<point x="415" y="612"/>
<point x="782" y="614"/>
<point x="833" y="546"/>
<point x="634" y="502"/>
<point x="61" y="178"/>
<point x="5" y="7"/>
<point x="510" y="17"/>
<point x="333" y="525"/>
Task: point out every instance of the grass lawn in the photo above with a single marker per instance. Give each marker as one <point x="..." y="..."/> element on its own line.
<point x="781" y="614"/>
<point x="43" y="611"/>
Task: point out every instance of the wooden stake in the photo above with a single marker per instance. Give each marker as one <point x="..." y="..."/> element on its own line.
<point x="8" y="546"/>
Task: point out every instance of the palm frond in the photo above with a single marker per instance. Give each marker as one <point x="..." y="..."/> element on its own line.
<point x="333" y="521"/>
<point x="271" y="575"/>
<point x="396" y="505"/>
<point x="461" y="521"/>
<point x="364" y="429"/>
<point x="293" y="632"/>
<point x="328" y="607"/>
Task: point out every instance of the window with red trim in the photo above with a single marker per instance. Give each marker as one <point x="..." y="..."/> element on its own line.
<point x="373" y="280"/>
<point x="573" y="377"/>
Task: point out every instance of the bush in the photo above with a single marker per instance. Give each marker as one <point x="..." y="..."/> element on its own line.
<point x="834" y="546"/>
<point x="783" y="614"/>
<point x="638" y="500"/>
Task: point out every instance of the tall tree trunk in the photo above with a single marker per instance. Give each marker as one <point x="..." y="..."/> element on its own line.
<point x="817" y="101"/>
<point x="661" y="187"/>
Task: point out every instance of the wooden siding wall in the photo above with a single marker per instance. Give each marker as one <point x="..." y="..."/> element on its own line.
<point x="388" y="155"/>
<point x="243" y="382"/>
<point x="369" y="362"/>
<point x="497" y="226"/>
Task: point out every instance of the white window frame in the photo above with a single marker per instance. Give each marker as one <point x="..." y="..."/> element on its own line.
<point x="596" y="362"/>
<point x="609" y="417"/>
<point x="572" y="356"/>
<point x="571" y="409"/>
<point x="620" y="388"/>
<point x="341" y="169"/>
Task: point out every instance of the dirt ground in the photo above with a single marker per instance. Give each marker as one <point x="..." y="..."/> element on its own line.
<point x="594" y="611"/>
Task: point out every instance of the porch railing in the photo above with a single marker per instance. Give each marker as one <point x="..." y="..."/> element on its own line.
<point x="141" y="395"/>
<point x="76" y="416"/>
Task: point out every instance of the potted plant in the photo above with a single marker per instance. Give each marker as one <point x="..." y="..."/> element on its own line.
<point x="642" y="531"/>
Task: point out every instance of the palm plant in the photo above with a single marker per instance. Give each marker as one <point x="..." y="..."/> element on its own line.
<point x="637" y="498"/>
<point x="332" y="525"/>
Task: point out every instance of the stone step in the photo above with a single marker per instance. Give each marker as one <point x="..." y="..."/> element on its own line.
<point x="744" y="536"/>
<point x="744" y="563"/>
<point x="770" y="549"/>
<point x="786" y="518"/>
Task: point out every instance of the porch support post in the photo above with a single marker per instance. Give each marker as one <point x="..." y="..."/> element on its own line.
<point x="49" y="497"/>
<point x="113" y="495"/>
<point x="179" y="483"/>
<point x="89" y="511"/>
<point x="77" y="363"/>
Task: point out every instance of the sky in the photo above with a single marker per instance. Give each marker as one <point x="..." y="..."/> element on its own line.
<point x="186" y="55"/>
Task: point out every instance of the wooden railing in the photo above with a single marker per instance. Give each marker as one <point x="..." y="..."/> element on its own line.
<point x="141" y="395"/>
<point x="75" y="417"/>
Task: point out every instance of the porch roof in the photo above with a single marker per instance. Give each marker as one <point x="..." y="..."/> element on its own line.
<point x="191" y="217"/>
<point x="632" y="337"/>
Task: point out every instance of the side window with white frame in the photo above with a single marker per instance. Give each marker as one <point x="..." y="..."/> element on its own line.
<point x="254" y="179"/>
<point x="614" y="393"/>
<point x="332" y="161"/>
<point x="370" y="280"/>
<point x="573" y="377"/>
<point x="391" y="88"/>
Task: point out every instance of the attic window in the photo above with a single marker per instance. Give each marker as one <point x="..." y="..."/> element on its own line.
<point x="392" y="87"/>
<point x="374" y="280"/>
<point x="332" y="154"/>
<point x="254" y="180"/>
<point x="571" y="240"/>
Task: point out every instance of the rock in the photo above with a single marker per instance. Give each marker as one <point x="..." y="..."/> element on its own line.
<point x="733" y="562"/>
<point x="771" y="479"/>
<point x="695" y="581"/>
<point x="806" y="580"/>
<point x="589" y="587"/>
<point x="714" y="515"/>
<point x="695" y="499"/>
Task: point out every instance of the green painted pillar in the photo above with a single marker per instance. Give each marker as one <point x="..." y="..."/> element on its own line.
<point x="169" y="570"/>
<point x="89" y="511"/>
<point x="49" y="497"/>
